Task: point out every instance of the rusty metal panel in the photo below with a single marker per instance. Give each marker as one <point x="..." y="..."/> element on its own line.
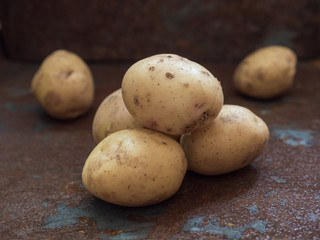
<point x="42" y="197"/>
<point x="211" y="30"/>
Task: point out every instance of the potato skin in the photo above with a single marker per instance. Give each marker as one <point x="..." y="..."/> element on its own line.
<point x="266" y="73"/>
<point x="112" y="116"/>
<point x="171" y="94"/>
<point x="63" y="85"/>
<point x="135" y="167"/>
<point x="235" y="138"/>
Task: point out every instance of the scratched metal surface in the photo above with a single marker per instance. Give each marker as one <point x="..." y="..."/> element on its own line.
<point x="42" y="197"/>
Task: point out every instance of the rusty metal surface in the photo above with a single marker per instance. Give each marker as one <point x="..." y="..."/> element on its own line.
<point x="214" y="30"/>
<point x="42" y="197"/>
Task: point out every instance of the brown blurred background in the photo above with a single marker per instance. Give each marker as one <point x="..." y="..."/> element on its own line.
<point x="112" y="30"/>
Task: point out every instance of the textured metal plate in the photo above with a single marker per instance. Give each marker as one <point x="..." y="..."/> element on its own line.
<point x="42" y="197"/>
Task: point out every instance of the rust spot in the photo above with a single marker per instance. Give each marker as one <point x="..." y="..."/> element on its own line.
<point x="122" y="161"/>
<point x="199" y="122"/>
<point x="68" y="74"/>
<point x="186" y="84"/>
<point x="230" y="119"/>
<point x="169" y="56"/>
<point x="248" y="85"/>
<point x="154" y="124"/>
<point x="106" y="133"/>
<point x="169" y="75"/>
<point x="136" y="101"/>
<point x="205" y="73"/>
<point x="151" y="68"/>
<point x="198" y="106"/>
<point x="169" y="129"/>
<point x="164" y="143"/>
<point x="52" y="99"/>
<point x="260" y="75"/>
<point x="289" y="60"/>
<point x="65" y="74"/>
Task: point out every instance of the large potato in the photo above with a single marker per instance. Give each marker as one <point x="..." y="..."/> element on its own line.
<point x="266" y="73"/>
<point x="135" y="167"/>
<point x="235" y="138"/>
<point x="171" y="94"/>
<point x="63" y="85"/>
<point x="112" y="116"/>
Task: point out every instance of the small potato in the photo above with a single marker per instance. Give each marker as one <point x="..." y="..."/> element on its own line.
<point x="135" y="167"/>
<point x="266" y="73"/>
<point x="171" y="94"/>
<point x="235" y="138"/>
<point x="112" y="116"/>
<point x="63" y="85"/>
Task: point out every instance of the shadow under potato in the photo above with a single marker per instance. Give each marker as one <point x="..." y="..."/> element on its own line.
<point x="201" y="189"/>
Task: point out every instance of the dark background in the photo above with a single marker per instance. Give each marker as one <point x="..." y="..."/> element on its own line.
<point x="215" y="31"/>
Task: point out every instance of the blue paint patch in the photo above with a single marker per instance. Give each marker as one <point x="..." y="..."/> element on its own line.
<point x="278" y="180"/>
<point x="127" y="235"/>
<point x="18" y="92"/>
<point x="45" y="204"/>
<point x="314" y="216"/>
<point x="283" y="203"/>
<point x="108" y="217"/>
<point x="46" y="137"/>
<point x="295" y="137"/>
<point x="269" y="193"/>
<point x="213" y="227"/>
<point x="252" y="209"/>
<point x="36" y="176"/>
<point x="318" y="196"/>
<point x="279" y="37"/>
<point x="41" y="126"/>
<point x="268" y="160"/>
<point x="281" y="181"/>
<point x="21" y="107"/>
<point x="265" y="111"/>
<point x="174" y="22"/>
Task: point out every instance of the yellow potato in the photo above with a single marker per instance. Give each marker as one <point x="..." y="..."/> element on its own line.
<point x="235" y="138"/>
<point x="135" y="167"/>
<point x="171" y="94"/>
<point x="112" y="116"/>
<point x="266" y="73"/>
<point x="63" y="85"/>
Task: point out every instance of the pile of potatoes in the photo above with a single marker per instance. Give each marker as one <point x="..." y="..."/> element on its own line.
<point x="168" y="117"/>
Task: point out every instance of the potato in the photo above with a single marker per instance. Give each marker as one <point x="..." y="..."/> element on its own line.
<point x="171" y="94"/>
<point x="235" y="138"/>
<point x="135" y="167"/>
<point x="63" y="85"/>
<point x="266" y="73"/>
<point x="112" y="116"/>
